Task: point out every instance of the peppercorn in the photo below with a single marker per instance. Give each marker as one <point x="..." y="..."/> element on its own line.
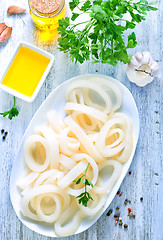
<point x="129" y="209"/>
<point x="117" y="208"/>
<point x="129" y="172"/>
<point x="2" y="131"/>
<point x="109" y="212"/>
<point x="115" y="216"/>
<point x="3" y="138"/>
<point x="125" y="225"/>
<point x="118" y="192"/>
<point x="118" y="214"/>
<point x="129" y="201"/>
<point x="125" y="202"/>
<point x="116" y="222"/>
<point x="117" y="219"/>
<point x="120" y="223"/>
<point x="141" y="199"/>
<point x="133" y="215"/>
<point x="6" y="133"/>
<point x="130" y="214"/>
<point x="120" y="219"/>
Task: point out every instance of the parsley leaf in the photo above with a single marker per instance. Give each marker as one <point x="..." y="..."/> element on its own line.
<point x="102" y="37"/>
<point x="85" y="196"/>
<point x="13" y="112"/>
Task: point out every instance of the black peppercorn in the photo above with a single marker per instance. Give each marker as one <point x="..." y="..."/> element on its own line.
<point x="2" y="130"/>
<point x="3" y="138"/>
<point x="125" y="225"/>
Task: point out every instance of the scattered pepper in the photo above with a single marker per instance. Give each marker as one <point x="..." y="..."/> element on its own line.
<point x="3" y="138"/>
<point x="4" y="134"/>
<point x="2" y="131"/>
<point x="109" y="212"/>
<point x="125" y="225"/>
<point x="125" y="202"/>
<point x="130" y="214"/>
<point x="141" y="199"/>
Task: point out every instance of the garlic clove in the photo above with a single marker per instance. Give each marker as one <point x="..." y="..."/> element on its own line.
<point x="2" y="27"/>
<point x="153" y="65"/>
<point x="5" y="35"/>
<point x="139" y="56"/>
<point x="146" y="58"/>
<point x="15" y="9"/>
<point x="133" y="62"/>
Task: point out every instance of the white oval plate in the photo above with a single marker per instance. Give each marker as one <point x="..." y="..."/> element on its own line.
<point x="56" y="100"/>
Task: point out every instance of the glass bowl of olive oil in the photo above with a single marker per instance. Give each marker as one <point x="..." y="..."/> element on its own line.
<point x="26" y="71"/>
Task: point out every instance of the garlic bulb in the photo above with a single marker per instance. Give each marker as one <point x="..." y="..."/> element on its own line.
<point x="142" y="69"/>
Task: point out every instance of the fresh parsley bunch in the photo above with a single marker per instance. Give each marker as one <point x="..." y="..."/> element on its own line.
<point x="102" y="37"/>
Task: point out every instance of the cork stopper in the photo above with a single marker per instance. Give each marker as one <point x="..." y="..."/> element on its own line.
<point x="45" y="6"/>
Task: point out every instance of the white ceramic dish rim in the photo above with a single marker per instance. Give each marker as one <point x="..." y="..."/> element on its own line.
<point x="38" y="50"/>
<point x="89" y="221"/>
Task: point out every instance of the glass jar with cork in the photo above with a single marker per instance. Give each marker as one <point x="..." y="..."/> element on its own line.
<point x="46" y="13"/>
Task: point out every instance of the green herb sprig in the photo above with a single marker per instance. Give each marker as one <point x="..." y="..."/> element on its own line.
<point x="103" y="35"/>
<point x="13" y="112"/>
<point x="85" y="196"/>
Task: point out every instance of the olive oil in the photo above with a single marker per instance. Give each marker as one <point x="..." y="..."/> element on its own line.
<point x="25" y="71"/>
<point x="47" y="20"/>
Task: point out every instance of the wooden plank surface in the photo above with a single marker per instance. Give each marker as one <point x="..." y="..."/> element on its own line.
<point x="146" y="179"/>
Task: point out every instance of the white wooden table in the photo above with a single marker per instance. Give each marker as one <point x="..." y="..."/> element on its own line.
<point x="146" y="179"/>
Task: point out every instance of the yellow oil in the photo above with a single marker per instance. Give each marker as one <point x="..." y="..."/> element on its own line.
<point x="25" y="71"/>
<point x="48" y="22"/>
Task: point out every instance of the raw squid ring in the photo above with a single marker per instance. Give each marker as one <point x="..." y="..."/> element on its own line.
<point x="84" y="139"/>
<point x="68" y="145"/>
<point x="42" y="189"/>
<point x="112" y="149"/>
<point x="29" y="159"/>
<point x="57" y="211"/>
<point x="109" y="85"/>
<point x="47" y="174"/>
<point x="126" y="153"/>
<point x="107" y="186"/>
<point x="49" y="135"/>
<point x="88" y="85"/>
<point x="77" y="96"/>
<point x="72" y="175"/>
<point x="90" y="111"/>
<point x="76" y="216"/>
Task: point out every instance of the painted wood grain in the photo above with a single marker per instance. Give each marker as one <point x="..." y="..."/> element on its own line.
<point x="146" y="179"/>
